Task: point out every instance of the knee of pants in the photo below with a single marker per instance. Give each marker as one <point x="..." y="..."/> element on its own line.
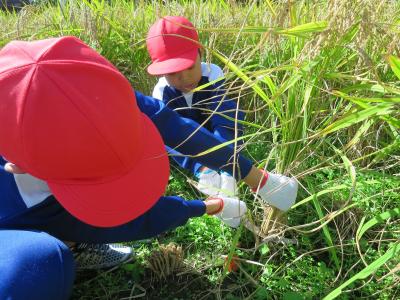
<point x="34" y="265"/>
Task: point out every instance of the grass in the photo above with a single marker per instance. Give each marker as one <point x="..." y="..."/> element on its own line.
<point x="319" y="81"/>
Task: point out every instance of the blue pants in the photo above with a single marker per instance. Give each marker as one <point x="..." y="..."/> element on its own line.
<point x="34" y="262"/>
<point x="34" y="265"/>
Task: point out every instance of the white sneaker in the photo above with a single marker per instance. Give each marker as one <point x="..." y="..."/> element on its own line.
<point x="209" y="182"/>
<point x="232" y="212"/>
<point x="228" y="185"/>
<point x="279" y="191"/>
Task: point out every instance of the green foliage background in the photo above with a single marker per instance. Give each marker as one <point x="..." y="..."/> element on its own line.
<point x="319" y="81"/>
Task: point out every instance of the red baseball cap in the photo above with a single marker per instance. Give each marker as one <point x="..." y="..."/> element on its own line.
<point x="173" y="45"/>
<point x="69" y="117"/>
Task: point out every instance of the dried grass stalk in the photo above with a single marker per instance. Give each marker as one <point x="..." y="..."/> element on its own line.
<point x="166" y="261"/>
<point x="274" y="221"/>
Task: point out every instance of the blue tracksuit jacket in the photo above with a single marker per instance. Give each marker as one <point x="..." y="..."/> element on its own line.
<point x="209" y="105"/>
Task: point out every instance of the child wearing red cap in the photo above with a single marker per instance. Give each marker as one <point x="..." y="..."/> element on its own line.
<point x="174" y="48"/>
<point x="173" y="45"/>
<point x="84" y="162"/>
<point x="95" y="162"/>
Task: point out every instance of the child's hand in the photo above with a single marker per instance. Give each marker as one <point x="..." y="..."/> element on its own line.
<point x="228" y="186"/>
<point x="11" y="168"/>
<point x="278" y="190"/>
<point x="231" y="210"/>
<point x="209" y="181"/>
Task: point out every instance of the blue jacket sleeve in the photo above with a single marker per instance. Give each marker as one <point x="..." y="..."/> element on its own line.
<point x="185" y="136"/>
<point x="49" y="216"/>
<point x="11" y="202"/>
<point x="224" y="107"/>
<point x="168" y="213"/>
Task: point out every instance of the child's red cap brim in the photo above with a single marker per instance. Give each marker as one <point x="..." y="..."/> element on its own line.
<point x="120" y="200"/>
<point x="175" y="64"/>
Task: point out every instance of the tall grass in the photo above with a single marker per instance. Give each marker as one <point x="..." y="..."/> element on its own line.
<point x="319" y="83"/>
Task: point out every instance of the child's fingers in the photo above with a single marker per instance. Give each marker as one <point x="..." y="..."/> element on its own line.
<point x="10" y="167"/>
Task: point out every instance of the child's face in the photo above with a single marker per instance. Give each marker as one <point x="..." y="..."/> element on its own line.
<point x="186" y="80"/>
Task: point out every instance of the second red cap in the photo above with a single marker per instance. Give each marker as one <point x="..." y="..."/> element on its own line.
<point x="173" y="44"/>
